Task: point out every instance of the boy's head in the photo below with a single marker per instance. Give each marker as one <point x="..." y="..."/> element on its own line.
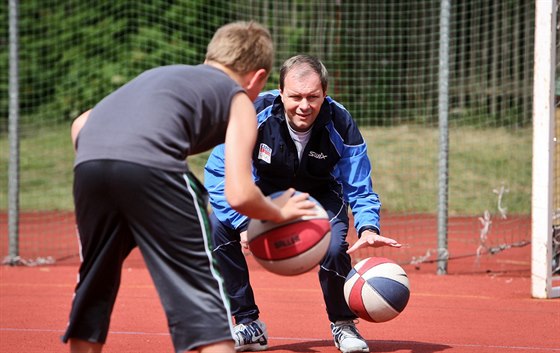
<point x="242" y="47"/>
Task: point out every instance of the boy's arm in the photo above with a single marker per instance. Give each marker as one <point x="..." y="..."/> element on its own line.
<point x="240" y="190"/>
<point x="77" y="126"/>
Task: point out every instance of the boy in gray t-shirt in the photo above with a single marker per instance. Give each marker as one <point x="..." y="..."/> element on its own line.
<point x="132" y="187"/>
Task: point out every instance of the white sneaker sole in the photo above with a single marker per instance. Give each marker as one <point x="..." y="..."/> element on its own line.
<point x="253" y="347"/>
<point x="351" y="350"/>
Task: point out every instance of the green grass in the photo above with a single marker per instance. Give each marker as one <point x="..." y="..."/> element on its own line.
<point x="406" y="161"/>
<point x="404" y="158"/>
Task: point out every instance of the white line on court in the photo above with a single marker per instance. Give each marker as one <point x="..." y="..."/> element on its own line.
<point x="300" y="339"/>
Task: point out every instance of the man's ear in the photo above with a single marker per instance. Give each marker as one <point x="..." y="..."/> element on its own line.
<point x="281" y="94"/>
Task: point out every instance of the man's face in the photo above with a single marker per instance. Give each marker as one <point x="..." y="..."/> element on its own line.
<point x="302" y="97"/>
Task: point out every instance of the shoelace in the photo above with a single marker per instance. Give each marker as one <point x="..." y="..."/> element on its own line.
<point x="347" y="329"/>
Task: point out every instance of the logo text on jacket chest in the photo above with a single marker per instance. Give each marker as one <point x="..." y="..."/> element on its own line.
<point x="317" y="155"/>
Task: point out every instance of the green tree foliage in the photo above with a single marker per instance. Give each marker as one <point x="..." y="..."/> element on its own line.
<point x="72" y="53"/>
<point x="382" y="56"/>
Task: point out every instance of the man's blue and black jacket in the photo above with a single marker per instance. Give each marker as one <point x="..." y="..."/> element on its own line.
<point x="334" y="168"/>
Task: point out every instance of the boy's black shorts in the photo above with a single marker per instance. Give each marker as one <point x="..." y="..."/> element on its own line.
<point x="120" y="205"/>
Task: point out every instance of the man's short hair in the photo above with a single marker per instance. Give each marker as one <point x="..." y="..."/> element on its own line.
<point x="305" y="60"/>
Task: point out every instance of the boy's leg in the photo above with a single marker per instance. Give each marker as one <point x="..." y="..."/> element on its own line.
<point x="219" y="347"/>
<point x="168" y="218"/>
<point x="105" y="242"/>
<point x="80" y="346"/>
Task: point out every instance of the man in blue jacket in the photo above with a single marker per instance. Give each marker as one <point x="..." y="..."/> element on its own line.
<point x="309" y="142"/>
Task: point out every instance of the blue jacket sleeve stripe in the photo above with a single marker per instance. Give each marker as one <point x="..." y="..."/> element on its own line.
<point x="354" y="172"/>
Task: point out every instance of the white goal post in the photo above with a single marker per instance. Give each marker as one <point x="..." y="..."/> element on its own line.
<point x="543" y="283"/>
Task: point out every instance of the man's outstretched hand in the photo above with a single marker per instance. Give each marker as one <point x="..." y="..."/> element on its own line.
<point x="370" y="238"/>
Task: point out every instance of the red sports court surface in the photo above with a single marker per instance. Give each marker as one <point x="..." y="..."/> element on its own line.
<point x="478" y="312"/>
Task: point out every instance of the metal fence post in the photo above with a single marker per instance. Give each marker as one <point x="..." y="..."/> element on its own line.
<point x="13" y="130"/>
<point x="443" y="108"/>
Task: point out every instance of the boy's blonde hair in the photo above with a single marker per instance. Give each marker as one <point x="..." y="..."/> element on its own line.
<point x="242" y="47"/>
